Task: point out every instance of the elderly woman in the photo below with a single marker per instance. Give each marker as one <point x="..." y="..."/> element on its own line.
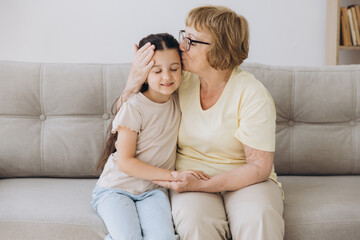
<point x="227" y="130"/>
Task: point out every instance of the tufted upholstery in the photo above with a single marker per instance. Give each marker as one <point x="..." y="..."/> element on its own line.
<point x="318" y="118"/>
<point x="53" y="119"/>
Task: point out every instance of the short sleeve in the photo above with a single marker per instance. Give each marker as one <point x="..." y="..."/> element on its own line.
<point x="257" y="123"/>
<point x="127" y="116"/>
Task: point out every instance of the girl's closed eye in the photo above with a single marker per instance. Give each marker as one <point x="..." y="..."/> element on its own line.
<point x="157" y="70"/>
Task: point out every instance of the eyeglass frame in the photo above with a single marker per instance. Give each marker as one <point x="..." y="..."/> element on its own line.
<point x="182" y="35"/>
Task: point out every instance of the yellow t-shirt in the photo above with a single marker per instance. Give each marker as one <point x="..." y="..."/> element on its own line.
<point x="211" y="140"/>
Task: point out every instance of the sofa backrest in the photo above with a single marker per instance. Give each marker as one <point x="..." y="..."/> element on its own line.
<point x="318" y="118"/>
<point x="53" y="117"/>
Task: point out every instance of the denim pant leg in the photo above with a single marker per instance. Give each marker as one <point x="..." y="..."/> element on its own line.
<point x="155" y="216"/>
<point x="118" y="212"/>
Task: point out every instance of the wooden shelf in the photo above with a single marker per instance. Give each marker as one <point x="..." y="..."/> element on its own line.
<point x="333" y="46"/>
<point x="349" y="47"/>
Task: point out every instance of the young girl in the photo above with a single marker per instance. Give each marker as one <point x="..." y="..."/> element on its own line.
<point x="145" y="129"/>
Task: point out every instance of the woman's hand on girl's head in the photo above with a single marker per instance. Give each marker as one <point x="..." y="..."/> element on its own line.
<point x="140" y="67"/>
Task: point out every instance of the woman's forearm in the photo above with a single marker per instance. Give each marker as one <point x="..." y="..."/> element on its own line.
<point x="126" y="94"/>
<point x="139" y="169"/>
<point x="235" y="179"/>
<point x="257" y="169"/>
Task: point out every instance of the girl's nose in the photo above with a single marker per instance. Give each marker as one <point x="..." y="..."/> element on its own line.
<point x="166" y="75"/>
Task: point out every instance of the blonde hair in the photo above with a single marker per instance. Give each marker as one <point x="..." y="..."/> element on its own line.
<point x="229" y="32"/>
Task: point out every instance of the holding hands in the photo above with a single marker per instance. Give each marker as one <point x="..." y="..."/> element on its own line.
<point x="188" y="180"/>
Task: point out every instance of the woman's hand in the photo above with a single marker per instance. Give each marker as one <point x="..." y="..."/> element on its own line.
<point x="140" y="67"/>
<point x="196" y="173"/>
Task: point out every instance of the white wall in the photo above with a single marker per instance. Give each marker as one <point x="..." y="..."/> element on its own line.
<point x="283" y="32"/>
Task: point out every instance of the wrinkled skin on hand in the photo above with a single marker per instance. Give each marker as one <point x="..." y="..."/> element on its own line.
<point x="186" y="181"/>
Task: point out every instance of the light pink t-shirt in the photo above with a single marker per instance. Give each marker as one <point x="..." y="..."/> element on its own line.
<point x="157" y="125"/>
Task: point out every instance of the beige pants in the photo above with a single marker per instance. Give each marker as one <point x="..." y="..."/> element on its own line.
<point x="252" y="213"/>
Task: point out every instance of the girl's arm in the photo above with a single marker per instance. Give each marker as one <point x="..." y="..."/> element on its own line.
<point x="257" y="169"/>
<point x="127" y="163"/>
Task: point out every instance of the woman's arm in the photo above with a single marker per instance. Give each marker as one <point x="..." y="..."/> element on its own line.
<point x="140" y="67"/>
<point x="257" y="169"/>
<point x="127" y="163"/>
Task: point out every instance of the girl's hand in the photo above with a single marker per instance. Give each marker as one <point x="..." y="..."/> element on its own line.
<point x="196" y="173"/>
<point x="140" y="67"/>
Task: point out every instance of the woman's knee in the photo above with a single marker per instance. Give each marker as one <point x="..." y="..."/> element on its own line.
<point x="255" y="211"/>
<point x="199" y="216"/>
<point x="256" y="222"/>
<point x="190" y="209"/>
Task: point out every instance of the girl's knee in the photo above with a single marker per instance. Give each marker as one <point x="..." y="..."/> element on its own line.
<point x="160" y="193"/>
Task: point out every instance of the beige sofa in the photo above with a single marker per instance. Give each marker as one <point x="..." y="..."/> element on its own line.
<point x="53" y="119"/>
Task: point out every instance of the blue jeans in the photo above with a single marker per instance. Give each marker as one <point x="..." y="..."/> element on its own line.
<point x="133" y="217"/>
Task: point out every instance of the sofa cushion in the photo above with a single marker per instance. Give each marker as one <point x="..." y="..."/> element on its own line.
<point x="325" y="207"/>
<point x="54" y="117"/>
<point x="48" y="208"/>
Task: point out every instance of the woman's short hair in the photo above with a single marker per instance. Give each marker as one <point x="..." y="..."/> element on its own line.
<point x="229" y="32"/>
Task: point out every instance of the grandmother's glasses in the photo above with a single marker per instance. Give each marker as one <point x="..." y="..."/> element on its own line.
<point x="188" y="42"/>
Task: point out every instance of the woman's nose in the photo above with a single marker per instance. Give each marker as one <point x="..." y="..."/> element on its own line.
<point x="181" y="46"/>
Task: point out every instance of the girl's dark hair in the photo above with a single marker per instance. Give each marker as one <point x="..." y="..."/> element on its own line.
<point x="161" y="41"/>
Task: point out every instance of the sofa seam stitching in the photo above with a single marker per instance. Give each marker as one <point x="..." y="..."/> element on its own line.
<point x="53" y="175"/>
<point x="292" y="118"/>
<point x="94" y="116"/>
<point x="42" y="163"/>
<point x="105" y="103"/>
<point x="297" y="69"/>
<point x="104" y="76"/>
<point x="353" y="130"/>
<point x="50" y="223"/>
<point x="324" y="222"/>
